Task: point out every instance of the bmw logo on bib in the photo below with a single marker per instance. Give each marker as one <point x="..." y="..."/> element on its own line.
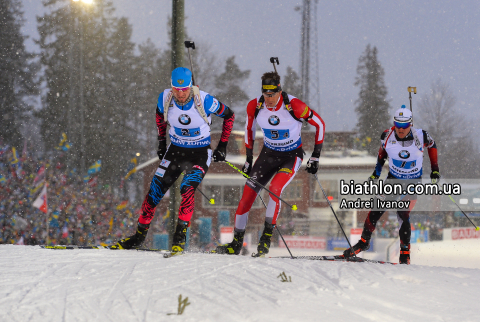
<point x="184" y="119"/>
<point x="404" y="154"/>
<point x="273" y="120"/>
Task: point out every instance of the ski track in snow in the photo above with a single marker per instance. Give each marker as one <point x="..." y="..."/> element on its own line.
<point x="102" y="285"/>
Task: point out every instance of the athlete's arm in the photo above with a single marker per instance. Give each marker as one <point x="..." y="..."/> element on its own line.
<point x="228" y="118"/>
<point x="430" y="144"/>
<point x="382" y="156"/>
<point x="250" y="126"/>
<point x="214" y="106"/>
<point x="161" y="125"/>
<point x="161" y="128"/>
<point x="303" y="112"/>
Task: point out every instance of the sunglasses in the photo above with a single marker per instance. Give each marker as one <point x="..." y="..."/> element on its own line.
<point x="400" y="125"/>
<point x="270" y="94"/>
<point x="181" y="89"/>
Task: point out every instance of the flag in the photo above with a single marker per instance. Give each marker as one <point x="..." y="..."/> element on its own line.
<point x="93" y="182"/>
<point x="122" y="205"/>
<point x="132" y="168"/>
<point x="54" y="220"/>
<point x="111" y="225"/>
<point x="41" y="201"/>
<point x="14" y="159"/>
<point x="86" y="178"/>
<point x="67" y="146"/>
<point x="2" y="179"/>
<point x="40" y="174"/>
<point x="64" y="144"/>
<point x="96" y="167"/>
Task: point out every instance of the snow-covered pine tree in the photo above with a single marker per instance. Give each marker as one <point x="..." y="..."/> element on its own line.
<point x="372" y="106"/>
<point x="17" y="74"/>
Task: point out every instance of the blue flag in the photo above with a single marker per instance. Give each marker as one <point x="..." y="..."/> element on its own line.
<point x="96" y="167"/>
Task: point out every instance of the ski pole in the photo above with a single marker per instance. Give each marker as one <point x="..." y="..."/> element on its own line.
<point x="343" y="231"/>
<point x="277" y="229"/>
<point x="188" y="45"/>
<point x="264" y="204"/>
<point x="273" y="60"/>
<point x="210" y="200"/>
<point x="294" y="207"/>
<point x="410" y="90"/>
<point x="463" y="212"/>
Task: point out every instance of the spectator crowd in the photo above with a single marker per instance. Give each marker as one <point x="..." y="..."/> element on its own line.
<point x="80" y="212"/>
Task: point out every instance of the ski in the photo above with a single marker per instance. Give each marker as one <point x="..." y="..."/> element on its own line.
<point x="101" y="247"/>
<point x="338" y="258"/>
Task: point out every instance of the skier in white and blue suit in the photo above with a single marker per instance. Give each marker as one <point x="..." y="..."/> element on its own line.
<point x="188" y="112"/>
<point x="403" y="145"/>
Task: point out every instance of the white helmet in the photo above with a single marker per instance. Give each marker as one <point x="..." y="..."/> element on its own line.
<point x="403" y="115"/>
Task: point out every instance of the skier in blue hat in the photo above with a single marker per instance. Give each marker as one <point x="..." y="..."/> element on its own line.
<point x="188" y="112"/>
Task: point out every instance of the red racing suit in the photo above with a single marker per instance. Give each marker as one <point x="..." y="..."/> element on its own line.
<point x="282" y="154"/>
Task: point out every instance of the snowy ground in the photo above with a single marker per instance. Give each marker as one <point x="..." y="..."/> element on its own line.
<point x="104" y="285"/>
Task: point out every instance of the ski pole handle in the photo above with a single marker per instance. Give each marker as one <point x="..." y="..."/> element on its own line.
<point x="188" y="45"/>
<point x="273" y="60"/>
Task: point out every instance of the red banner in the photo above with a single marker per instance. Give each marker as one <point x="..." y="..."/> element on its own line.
<point x="303" y="242"/>
<point x="465" y="233"/>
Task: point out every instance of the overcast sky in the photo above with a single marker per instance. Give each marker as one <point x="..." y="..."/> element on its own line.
<point x="418" y="41"/>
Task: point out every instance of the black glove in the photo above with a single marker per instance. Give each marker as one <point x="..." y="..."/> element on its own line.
<point x="221" y="152"/>
<point x="435" y="176"/>
<point x="247" y="167"/>
<point x="312" y="165"/>
<point x="374" y="176"/>
<point x="162" y="148"/>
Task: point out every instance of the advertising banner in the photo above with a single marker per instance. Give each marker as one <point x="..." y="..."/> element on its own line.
<point x="308" y="242"/>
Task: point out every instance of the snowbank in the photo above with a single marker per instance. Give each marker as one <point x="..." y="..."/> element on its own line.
<point x="105" y="285"/>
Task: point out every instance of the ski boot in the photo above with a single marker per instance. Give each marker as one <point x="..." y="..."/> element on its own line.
<point x="362" y="245"/>
<point x="134" y="241"/>
<point x="264" y="242"/>
<point x="234" y="247"/>
<point x="404" y="254"/>
<point x="180" y="236"/>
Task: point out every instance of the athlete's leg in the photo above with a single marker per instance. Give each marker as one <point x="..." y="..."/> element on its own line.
<point x="167" y="173"/>
<point x="368" y="228"/>
<point x="281" y="180"/>
<point x="284" y="176"/>
<point x="189" y="184"/>
<point x="405" y="231"/>
<point x="403" y="216"/>
<point x="262" y="171"/>
<point x="371" y="223"/>
<point x="196" y="164"/>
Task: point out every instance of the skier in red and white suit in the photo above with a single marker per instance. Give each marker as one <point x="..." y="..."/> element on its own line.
<point x="280" y="117"/>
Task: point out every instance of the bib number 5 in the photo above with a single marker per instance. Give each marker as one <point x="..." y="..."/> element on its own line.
<point x="279" y="134"/>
